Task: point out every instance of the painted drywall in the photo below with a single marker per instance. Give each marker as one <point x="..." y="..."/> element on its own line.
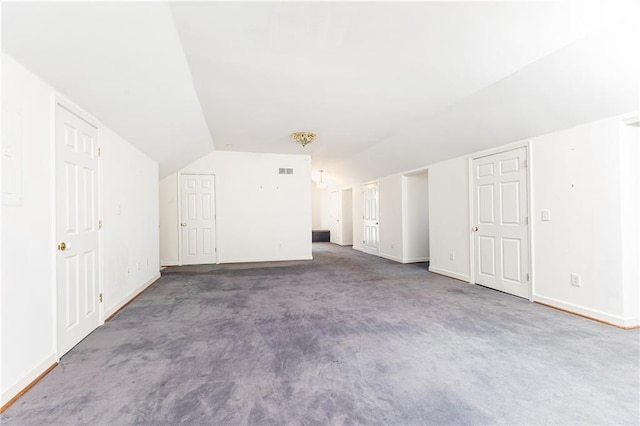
<point x="630" y="187"/>
<point x="28" y="292"/>
<point x="261" y="215"/>
<point x="416" y="217"/>
<point x="130" y="220"/>
<point x="316" y="207"/>
<point x="28" y="273"/>
<point x="391" y="217"/>
<point x="576" y="176"/>
<point x="357" y="200"/>
<point x="449" y="218"/>
<point x="347" y="217"/>
<point x="335" y="215"/>
<point x="169" y="233"/>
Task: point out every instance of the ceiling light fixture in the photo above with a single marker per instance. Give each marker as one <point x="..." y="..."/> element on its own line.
<point x="303" y="138"/>
<point x="321" y="184"/>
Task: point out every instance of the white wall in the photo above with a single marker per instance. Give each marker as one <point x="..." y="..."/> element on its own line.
<point x="28" y="268"/>
<point x="261" y="215"/>
<point x="317" y="207"/>
<point x="391" y="224"/>
<point x="357" y="200"/>
<point x="28" y="274"/>
<point x="335" y="213"/>
<point x="130" y="221"/>
<point x="576" y="176"/>
<point x="587" y="177"/>
<point x="416" y="217"/>
<point x="169" y="231"/>
<point x="449" y="218"/>
<point x="347" y="217"/>
<point x="630" y="182"/>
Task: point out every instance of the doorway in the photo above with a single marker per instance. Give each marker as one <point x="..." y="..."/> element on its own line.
<point x="500" y="222"/>
<point x="77" y="227"/>
<point x="197" y="219"/>
<point x="370" y="236"/>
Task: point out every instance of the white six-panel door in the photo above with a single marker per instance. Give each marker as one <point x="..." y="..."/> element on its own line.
<point x="370" y="218"/>
<point x="197" y="219"/>
<point x="77" y="259"/>
<point x="500" y="233"/>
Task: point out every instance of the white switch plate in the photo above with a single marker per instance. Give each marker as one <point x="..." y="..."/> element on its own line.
<point x="575" y="280"/>
<point x="546" y="215"/>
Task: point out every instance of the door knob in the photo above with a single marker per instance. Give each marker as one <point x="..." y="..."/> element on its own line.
<point x="62" y="246"/>
<point x="475" y="229"/>
<point x="183" y="224"/>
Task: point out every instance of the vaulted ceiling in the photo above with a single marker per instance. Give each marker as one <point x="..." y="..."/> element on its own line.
<point x="387" y="86"/>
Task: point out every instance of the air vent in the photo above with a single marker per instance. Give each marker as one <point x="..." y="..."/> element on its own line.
<point x="285" y="171"/>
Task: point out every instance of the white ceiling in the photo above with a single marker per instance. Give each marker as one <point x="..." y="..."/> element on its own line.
<point x="386" y="86"/>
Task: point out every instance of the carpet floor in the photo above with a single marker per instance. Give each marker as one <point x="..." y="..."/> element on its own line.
<point x="347" y="338"/>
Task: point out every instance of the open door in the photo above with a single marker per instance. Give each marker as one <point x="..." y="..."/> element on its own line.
<point x="77" y="228"/>
<point x="500" y="223"/>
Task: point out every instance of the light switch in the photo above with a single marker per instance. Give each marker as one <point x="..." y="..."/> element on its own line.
<point x="117" y="209"/>
<point x="546" y="215"/>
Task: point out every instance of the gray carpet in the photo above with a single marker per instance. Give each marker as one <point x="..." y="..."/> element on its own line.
<point x="345" y="339"/>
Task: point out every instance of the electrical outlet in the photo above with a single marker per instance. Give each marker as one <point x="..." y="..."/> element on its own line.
<point x="452" y="256"/>
<point x="575" y="280"/>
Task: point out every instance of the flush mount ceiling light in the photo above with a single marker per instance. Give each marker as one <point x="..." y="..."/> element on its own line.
<point x="303" y="138"/>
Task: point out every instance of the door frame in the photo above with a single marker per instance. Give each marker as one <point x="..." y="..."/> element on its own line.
<point x="57" y="99"/>
<point x="526" y="144"/>
<point x="215" y="212"/>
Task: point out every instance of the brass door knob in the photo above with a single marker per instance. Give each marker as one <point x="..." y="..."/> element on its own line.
<point x="62" y="246"/>
<point x="475" y="229"/>
<point x="183" y="224"/>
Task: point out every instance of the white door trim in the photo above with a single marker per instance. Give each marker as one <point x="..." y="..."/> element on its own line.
<point x="58" y="100"/>
<point x="215" y="213"/>
<point x="520" y="144"/>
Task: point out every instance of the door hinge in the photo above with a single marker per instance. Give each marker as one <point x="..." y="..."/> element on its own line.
<point x="100" y="224"/>
<point x="99" y="151"/>
<point x="100" y="297"/>
<point x="526" y="163"/>
<point x="528" y="277"/>
<point x="526" y="220"/>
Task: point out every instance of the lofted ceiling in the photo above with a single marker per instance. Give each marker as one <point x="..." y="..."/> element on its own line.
<point x="386" y="86"/>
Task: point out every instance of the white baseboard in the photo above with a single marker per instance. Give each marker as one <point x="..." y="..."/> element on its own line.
<point x="133" y="295"/>
<point x="17" y="387"/>
<point x="415" y="260"/>
<point x="169" y="262"/>
<point x="359" y="248"/>
<point x="588" y="312"/>
<point x="456" y="275"/>
<point x="265" y="259"/>
<point x="391" y="257"/>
